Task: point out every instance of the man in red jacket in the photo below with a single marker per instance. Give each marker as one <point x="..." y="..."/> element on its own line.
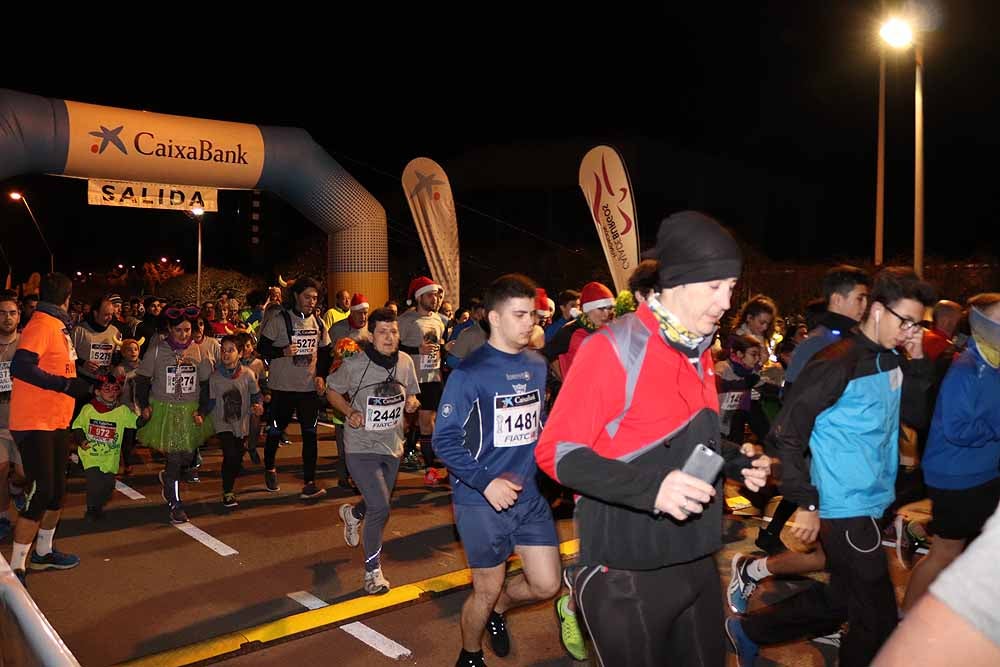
<point x="648" y="588"/>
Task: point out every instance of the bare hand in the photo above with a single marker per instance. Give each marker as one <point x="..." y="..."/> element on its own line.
<point x="257" y="409"/>
<point x="356" y="419"/>
<point x="755" y="477"/>
<point x="198" y="419"/>
<point x="502" y="493"/>
<point x="748" y="449"/>
<point x="292" y="350"/>
<point x="320" y="385"/>
<point x="681" y="494"/>
<point x="914" y="345"/>
<point x="412" y="404"/>
<point x="806" y="526"/>
<point x="429" y="348"/>
<point x="91" y="367"/>
<point x="147" y="412"/>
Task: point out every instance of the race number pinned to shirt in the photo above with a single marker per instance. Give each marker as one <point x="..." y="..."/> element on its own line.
<point x="430" y="362"/>
<point x="305" y="341"/>
<point x="6" y="383"/>
<point x="515" y="419"/>
<point x="182" y="379"/>
<point x="730" y="400"/>
<point x="103" y="432"/>
<point x="100" y="353"/>
<point x="383" y="413"/>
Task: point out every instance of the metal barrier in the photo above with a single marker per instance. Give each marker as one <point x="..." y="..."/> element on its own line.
<point x="26" y="638"/>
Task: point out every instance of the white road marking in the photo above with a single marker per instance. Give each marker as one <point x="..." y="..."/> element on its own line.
<point x="206" y="539"/>
<point x="376" y="640"/>
<point x="307" y="600"/>
<point x="127" y="490"/>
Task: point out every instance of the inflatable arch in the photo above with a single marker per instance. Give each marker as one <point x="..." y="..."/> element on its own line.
<point x="43" y="135"/>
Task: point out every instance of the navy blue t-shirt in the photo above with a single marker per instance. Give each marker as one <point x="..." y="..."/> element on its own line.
<point x="489" y="420"/>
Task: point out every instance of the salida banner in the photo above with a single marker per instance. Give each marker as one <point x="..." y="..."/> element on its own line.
<point x="608" y="191"/>
<point x="151" y="195"/>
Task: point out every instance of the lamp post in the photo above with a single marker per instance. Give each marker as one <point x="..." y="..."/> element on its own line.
<point x="198" y="213"/>
<point x="898" y="34"/>
<point x="52" y="258"/>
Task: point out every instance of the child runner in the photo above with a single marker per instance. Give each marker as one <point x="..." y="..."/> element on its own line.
<point x="100" y="430"/>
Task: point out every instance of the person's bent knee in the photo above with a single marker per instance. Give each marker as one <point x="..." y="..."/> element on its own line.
<point x="545" y="589"/>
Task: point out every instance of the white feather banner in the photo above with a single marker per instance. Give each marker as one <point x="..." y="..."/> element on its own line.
<point x="433" y="207"/>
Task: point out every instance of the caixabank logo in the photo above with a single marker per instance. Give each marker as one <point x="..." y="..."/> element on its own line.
<point x="146" y="143"/>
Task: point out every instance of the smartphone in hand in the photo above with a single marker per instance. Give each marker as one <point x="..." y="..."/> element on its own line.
<point x="703" y="463"/>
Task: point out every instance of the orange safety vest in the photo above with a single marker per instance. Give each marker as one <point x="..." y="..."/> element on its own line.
<point x="33" y="408"/>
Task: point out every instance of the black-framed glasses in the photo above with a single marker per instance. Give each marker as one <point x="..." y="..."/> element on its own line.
<point x="905" y="323"/>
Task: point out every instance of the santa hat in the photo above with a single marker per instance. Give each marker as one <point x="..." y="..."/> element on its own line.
<point x="541" y="301"/>
<point x="595" y="295"/>
<point x="420" y="286"/>
<point x="358" y="301"/>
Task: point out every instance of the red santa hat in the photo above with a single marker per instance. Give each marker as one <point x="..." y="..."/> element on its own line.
<point x="541" y="301"/>
<point x="358" y="301"/>
<point x="420" y="286"/>
<point x="595" y="295"/>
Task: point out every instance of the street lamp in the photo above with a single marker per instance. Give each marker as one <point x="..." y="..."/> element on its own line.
<point x="52" y="258"/>
<point x="898" y="34"/>
<point x="198" y="213"/>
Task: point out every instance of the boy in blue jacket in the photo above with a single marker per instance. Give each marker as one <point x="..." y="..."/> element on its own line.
<point x="962" y="461"/>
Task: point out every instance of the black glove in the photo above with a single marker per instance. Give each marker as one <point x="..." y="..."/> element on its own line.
<point x="752" y="380"/>
<point x="78" y="388"/>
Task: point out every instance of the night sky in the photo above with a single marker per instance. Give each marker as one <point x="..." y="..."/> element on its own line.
<point x="762" y="113"/>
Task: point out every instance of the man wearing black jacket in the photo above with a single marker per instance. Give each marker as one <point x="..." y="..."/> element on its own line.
<point x="845" y="411"/>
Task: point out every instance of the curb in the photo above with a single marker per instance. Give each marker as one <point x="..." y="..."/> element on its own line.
<point x="296" y="624"/>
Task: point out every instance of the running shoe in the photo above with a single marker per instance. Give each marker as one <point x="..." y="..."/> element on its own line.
<point x="744" y="647"/>
<point x="271" y="480"/>
<point x="741" y="585"/>
<point x="496" y="626"/>
<point x="311" y="491"/>
<point x="178" y="516"/>
<point x="376" y="583"/>
<point x="569" y="631"/>
<point x="54" y="560"/>
<point x="352" y="526"/>
<point x="229" y="500"/>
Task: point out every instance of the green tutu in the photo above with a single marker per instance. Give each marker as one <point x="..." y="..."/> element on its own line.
<point x="172" y="429"/>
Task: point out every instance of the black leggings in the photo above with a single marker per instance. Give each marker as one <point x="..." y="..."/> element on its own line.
<point x="672" y="615"/>
<point x="306" y="406"/>
<point x="232" y="458"/>
<point x="44" y="455"/>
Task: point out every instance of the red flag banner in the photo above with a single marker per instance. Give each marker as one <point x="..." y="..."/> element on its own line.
<point x="608" y="191"/>
<point x="433" y="207"/>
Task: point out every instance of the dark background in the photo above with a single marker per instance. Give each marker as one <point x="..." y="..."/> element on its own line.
<point x="761" y="113"/>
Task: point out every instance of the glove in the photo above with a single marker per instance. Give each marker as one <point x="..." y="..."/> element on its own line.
<point x="77" y="388"/>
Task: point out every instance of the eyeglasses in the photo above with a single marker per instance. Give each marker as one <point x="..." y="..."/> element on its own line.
<point x="905" y="323"/>
<point x="189" y="312"/>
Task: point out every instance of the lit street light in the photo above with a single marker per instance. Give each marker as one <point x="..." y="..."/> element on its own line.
<point x="52" y="258"/>
<point x="198" y="213"/>
<point x="898" y="34"/>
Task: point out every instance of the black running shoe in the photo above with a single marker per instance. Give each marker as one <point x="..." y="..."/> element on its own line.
<point x="466" y="659"/>
<point x="499" y="639"/>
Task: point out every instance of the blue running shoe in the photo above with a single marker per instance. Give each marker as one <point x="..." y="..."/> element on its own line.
<point x="744" y="647"/>
<point x="741" y="585"/>
<point x="54" y="560"/>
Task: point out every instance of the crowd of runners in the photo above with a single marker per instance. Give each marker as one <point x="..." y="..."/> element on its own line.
<point x="636" y="407"/>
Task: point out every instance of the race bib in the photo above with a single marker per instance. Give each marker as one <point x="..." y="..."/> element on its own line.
<point x="305" y="340"/>
<point x="383" y="412"/>
<point x="515" y="419"/>
<point x="430" y="362"/>
<point x="730" y="400"/>
<point x="6" y="383"/>
<point x="186" y="377"/>
<point x="102" y="432"/>
<point x="100" y="353"/>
